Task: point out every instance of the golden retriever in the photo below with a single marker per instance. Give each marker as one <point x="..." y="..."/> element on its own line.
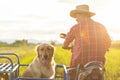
<point x="43" y="65"/>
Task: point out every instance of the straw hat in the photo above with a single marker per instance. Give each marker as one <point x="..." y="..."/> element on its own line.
<point x="80" y="9"/>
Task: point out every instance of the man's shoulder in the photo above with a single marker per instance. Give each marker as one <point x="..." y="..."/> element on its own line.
<point x="99" y="25"/>
<point x="75" y="25"/>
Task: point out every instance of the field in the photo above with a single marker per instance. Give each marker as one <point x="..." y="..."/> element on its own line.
<point x="27" y="53"/>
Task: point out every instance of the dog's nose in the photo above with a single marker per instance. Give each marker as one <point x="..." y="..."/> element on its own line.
<point x="45" y="56"/>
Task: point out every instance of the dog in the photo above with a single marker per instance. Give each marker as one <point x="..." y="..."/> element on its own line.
<point x="43" y="65"/>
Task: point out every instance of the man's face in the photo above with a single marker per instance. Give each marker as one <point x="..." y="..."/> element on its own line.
<point x="79" y="17"/>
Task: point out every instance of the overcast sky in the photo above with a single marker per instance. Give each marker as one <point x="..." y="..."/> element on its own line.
<point x="46" y="19"/>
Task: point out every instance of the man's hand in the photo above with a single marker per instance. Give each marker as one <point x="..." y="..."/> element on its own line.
<point x="62" y="35"/>
<point x="66" y="47"/>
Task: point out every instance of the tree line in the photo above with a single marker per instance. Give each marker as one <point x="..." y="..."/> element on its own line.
<point x="23" y="42"/>
<point x="116" y="44"/>
<point x="16" y="43"/>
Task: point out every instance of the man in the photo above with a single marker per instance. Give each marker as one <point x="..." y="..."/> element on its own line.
<point x="91" y="40"/>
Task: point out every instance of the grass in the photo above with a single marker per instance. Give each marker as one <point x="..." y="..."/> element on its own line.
<point x="113" y="64"/>
<point x="27" y="53"/>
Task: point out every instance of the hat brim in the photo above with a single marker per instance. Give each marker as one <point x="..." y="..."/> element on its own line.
<point x="74" y="12"/>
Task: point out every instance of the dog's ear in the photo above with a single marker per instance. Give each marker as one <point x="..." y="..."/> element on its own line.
<point x="53" y="48"/>
<point x="37" y="49"/>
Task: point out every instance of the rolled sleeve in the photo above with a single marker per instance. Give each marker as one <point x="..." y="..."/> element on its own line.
<point x="69" y="38"/>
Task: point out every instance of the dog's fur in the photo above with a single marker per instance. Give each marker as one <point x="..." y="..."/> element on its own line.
<point x="4" y="76"/>
<point x="43" y="65"/>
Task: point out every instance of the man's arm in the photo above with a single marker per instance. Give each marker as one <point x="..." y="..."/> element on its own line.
<point x="69" y="38"/>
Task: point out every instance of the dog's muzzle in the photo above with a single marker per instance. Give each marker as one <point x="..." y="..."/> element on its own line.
<point x="46" y="59"/>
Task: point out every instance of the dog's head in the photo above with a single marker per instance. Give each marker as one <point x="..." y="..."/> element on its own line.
<point x="45" y="53"/>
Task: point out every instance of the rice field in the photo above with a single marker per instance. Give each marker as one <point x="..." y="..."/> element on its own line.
<point x="27" y="53"/>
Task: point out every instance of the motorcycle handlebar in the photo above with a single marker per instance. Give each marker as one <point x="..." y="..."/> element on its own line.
<point x="67" y="48"/>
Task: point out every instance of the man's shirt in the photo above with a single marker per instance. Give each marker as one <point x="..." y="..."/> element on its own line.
<point x="91" y="41"/>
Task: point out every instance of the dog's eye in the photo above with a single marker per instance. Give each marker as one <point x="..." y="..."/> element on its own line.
<point x="48" y="48"/>
<point x="42" y="49"/>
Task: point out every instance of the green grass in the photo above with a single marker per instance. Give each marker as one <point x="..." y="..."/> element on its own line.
<point x="113" y="64"/>
<point x="27" y="54"/>
<point x="62" y="56"/>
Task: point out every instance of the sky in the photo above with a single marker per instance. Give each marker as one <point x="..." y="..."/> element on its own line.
<point x="46" y="19"/>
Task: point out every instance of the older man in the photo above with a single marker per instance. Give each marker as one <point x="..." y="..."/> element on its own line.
<point x="91" y="40"/>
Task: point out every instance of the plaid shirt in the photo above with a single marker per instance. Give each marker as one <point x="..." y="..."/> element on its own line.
<point x="91" y="42"/>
